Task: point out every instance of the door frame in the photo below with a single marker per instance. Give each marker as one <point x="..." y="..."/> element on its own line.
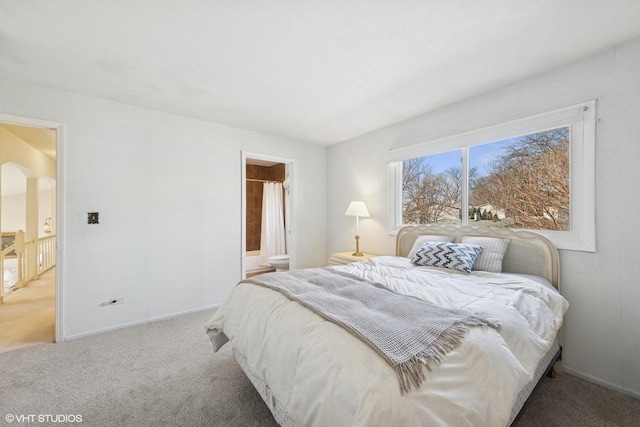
<point x="58" y="127"/>
<point x="289" y="228"/>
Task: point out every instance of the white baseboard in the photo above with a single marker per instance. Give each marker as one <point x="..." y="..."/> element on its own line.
<point x="140" y="322"/>
<point x="598" y="381"/>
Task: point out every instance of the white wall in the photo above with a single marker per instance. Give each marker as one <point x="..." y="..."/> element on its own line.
<point x="14" y="213"/>
<point x="168" y="190"/>
<point x="46" y="208"/>
<point x="602" y="333"/>
<point x="18" y="161"/>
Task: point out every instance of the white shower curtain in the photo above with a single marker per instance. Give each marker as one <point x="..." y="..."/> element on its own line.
<point x="272" y="239"/>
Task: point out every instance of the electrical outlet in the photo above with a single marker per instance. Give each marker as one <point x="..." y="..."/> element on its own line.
<point x="113" y="301"/>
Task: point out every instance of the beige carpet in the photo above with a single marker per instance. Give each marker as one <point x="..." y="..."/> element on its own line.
<point x="166" y="374"/>
<point x="27" y="315"/>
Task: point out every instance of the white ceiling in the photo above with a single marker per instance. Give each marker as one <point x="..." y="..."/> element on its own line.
<point x="313" y="70"/>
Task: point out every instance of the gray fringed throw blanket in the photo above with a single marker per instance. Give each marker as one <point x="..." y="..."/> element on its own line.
<point x="407" y="332"/>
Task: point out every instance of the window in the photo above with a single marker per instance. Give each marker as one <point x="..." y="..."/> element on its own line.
<point x="532" y="174"/>
<point x="431" y="190"/>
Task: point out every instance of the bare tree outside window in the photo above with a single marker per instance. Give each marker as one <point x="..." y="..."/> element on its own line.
<point x="527" y="184"/>
<point x="431" y="190"/>
<point x="519" y="183"/>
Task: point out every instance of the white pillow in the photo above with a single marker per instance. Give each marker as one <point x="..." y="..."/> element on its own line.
<point x="426" y="238"/>
<point x="493" y="250"/>
<point x="455" y="256"/>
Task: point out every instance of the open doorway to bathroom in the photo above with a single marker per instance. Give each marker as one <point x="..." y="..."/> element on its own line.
<point x="267" y="238"/>
<point x="28" y="221"/>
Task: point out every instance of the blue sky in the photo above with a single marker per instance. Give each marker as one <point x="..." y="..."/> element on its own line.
<point x="479" y="156"/>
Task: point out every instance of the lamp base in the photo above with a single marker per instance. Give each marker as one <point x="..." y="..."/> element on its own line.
<point x="357" y="252"/>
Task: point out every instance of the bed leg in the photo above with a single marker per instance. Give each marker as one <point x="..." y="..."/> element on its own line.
<point x="551" y="373"/>
<point x="556" y="366"/>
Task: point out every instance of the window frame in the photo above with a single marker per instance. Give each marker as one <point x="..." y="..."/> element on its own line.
<point x="581" y="120"/>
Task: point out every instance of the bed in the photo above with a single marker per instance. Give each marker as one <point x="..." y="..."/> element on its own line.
<point x="311" y="371"/>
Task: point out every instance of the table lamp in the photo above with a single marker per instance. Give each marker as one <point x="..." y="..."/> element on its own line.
<point x="357" y="209"/>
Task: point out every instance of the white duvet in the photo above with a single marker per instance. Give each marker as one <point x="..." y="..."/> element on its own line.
<point x="323" y="376"/>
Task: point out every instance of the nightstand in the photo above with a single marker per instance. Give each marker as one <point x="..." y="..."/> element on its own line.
<point x="343" y="258"/>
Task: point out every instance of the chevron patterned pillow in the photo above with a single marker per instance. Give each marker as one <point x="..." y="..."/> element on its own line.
<point x="455" y="256"/>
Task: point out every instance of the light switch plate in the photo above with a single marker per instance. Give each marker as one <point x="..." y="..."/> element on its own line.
<point x="93" y="218"/>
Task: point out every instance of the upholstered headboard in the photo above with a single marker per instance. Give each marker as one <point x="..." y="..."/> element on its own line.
<point x="528" y="253"/>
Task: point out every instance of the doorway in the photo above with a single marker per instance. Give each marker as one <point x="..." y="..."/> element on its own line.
<point x="279" y="170"/>
<point x="31" y="221"/>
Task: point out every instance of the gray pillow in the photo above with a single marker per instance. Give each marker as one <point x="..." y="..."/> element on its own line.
<point x="493" y="250"/>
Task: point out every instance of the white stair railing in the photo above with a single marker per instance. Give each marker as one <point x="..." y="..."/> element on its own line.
<point x="32" y="259"/>
<point x="46" y="254"/>
<point x="12" y="249"/>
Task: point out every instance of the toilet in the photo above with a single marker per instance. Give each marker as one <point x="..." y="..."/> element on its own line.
<point x="279" y="262"/>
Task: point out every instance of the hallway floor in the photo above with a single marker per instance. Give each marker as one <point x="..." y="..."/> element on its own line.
<point x="27" y="316"/>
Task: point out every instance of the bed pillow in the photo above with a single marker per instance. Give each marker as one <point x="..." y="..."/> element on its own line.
<point x="427" y="238"/>
<point x="455" y="256"/>
<point x="493" y="250"/>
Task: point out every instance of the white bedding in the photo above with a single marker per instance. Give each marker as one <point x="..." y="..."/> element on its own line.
<point x="322" y="375"/>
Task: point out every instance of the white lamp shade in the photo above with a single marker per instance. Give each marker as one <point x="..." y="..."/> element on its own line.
<point x="357" y="209"/>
